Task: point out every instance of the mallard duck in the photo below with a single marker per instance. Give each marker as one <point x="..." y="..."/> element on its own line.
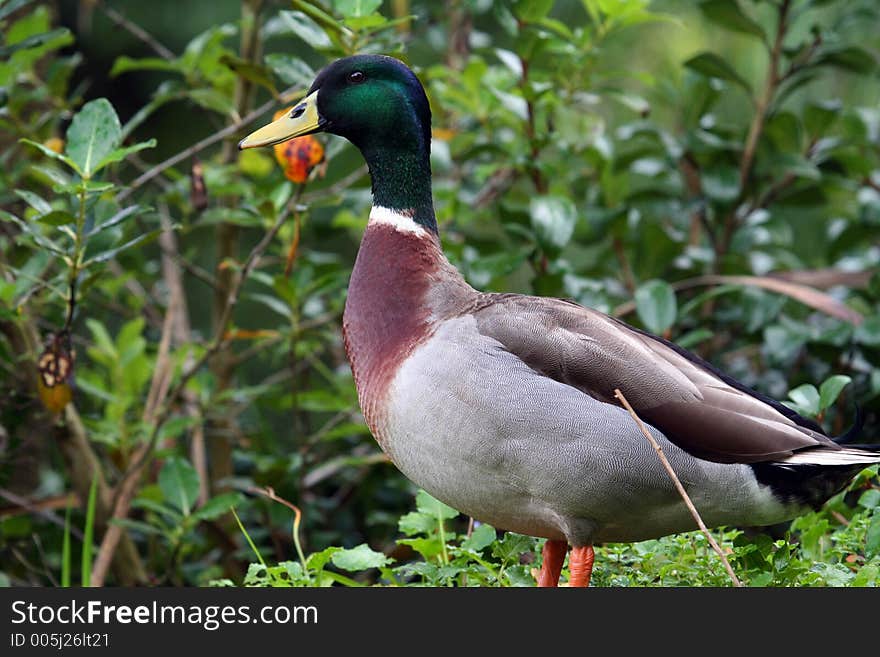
<point x="502" y="405"/>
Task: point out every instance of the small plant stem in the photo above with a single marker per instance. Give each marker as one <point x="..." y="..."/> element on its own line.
<point x="75" y="261"/>
<point x="248" y="537"/>
<point x="89" y="532"/>
<point x="678" y="487"/>
<point x="531" y="133"/>
<point x="759" y="120"/>
<point x="129" y="482"/>
<point x="442" y="530"/>
<point x="297" y="519"/>
<point x="65" y="551"/>
<point x="220" y="431"/>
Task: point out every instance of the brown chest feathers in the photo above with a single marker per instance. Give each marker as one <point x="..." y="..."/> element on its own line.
<point x="400" y="287"/>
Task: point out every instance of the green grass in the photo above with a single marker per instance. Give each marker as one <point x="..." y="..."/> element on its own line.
<point x="838" y="545"/>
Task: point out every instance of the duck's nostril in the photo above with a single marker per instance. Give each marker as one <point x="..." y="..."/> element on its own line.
<point x="297" y="111"/>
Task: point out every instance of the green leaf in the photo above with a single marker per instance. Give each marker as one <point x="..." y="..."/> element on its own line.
<point x="33" y="233"/>
<point x="434" y="507"/>
<point x="92" y="135"/>
<point x="112" y="253"/>
<point x="869" y="331"/>
<point x="711" y="65"/>
<point x="721" y="183"/>
<point x="124" y="64"/>
<point x="630" y="100"/>
<point x="259" y="75"/>
<point x="831" y="389"/>
<point x="87" y="186"/>
<point x="213" y="100"/>
<point x="37" y="202"/>
<point x="517" y="105"/>
<point x="482" y="536"/>
<point x="819" y="116"/>
<point x="54" y="39"/>
<point x="870" y="499"/>
<point x="162" y="509"/>
<point x="656" y="305"/>
<point x="179" y="483"/>
<point x="414" y="523"/>
<point x="122" y="153"/>
<point x="10" y="7"/>
<point x="427" y="547"/>
<point x="512" y="545"/>
<point x="553" y="219"/>
<point x="531" y="11"/>
<point x="217" y="506"/>
<point x="305" y="28"/>
<point x="358" y="558"/>
<point x="356" y="8"/>
<point x="291" y="70"/>
<point x="872" y="537"/>
<point x="116" y="219"/>
<point x="806" y="397"/>
<point x="274" y="303"/>
<point x="729" y="15"/>
<point x="849" y="58"/>
<point x="317" y="560"/>
<point x="511" y="60"/>
<point x="57" y="218"/>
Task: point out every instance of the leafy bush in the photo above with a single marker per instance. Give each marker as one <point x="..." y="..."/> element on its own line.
<point x="170" y="308"/>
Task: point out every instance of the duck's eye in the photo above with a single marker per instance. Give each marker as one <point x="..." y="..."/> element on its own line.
<point x="356" y="77"/>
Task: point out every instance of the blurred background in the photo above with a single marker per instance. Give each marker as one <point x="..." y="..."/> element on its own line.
<point x="706" y="170"/>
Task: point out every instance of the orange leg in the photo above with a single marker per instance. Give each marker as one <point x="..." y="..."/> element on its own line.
<point x="554" y="555"/>
<point x="580" y="565"/>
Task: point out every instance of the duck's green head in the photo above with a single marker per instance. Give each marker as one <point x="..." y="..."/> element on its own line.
<point x="379" y="105"/>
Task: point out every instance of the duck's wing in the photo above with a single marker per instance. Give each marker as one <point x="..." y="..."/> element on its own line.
<point x="703" y="411"/>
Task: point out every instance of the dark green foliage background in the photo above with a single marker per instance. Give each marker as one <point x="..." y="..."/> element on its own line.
<point x="626" y="154"/>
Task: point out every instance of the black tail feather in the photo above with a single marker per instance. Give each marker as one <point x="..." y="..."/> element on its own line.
<point x="854" y="431"/>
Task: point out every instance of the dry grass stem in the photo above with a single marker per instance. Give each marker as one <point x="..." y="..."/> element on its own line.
<point x="679" y="487"/>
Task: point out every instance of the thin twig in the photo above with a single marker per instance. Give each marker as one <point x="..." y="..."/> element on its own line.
<point x="180" y="334"/>
<point x="128" y="484"/>
<point x="269" y="492"/>
<point x="203" y="144"/>
<point x="775" y="283"/>
<point x="137" y="31"/>
<point x="40" y="508"/>
<point x="759" y="120"/>
<point x="678" y="487"/>
<point x="161" y="381"/>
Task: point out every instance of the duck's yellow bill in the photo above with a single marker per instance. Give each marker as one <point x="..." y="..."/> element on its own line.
<point x="303" y="119"/>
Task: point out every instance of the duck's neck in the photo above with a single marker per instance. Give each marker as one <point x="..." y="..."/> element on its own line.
<point x="402" y="181"/>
